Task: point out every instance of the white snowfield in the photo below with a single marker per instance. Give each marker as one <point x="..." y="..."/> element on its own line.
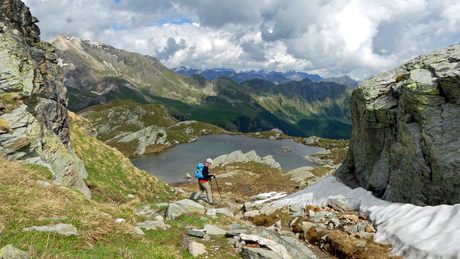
<point x="413" y="231"/>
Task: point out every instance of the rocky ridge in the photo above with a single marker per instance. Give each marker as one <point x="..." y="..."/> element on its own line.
<point x="33" y="114"/>
<point x="405" y="138"/>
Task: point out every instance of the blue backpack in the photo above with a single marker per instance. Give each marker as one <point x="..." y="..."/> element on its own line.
<point x="199" y="171"/>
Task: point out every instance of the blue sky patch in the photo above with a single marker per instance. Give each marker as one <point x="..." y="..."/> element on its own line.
<point x="169" y="20"/>
<point x="117" y="1"/>
<point x="118" y="27"/>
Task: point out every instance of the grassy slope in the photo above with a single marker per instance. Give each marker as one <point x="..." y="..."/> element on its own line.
<point x="25" y="203"/>
<point x="111" y="175"/>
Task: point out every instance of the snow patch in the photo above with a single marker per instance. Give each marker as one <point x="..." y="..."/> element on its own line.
<point x="270" y="196"/>
<point x="413" y="231"/>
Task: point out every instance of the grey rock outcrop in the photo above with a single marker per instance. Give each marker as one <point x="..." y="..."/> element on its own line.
<point x="146" y="137"/>
<point x="33" y="100"/>
<point x="181" y="207"/>
<point x="405" y="140"/>
<point x="301" y="174"/>
<point x="239" y="157"/>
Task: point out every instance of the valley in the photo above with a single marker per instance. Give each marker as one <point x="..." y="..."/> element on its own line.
<point x="96" y="73"/>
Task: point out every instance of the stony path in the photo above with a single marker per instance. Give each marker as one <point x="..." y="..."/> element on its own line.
<point x="333" y="228"/>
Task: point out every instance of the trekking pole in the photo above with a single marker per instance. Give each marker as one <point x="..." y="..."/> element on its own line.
<point x="212" y="194"/>
<point x="218" y="188"/>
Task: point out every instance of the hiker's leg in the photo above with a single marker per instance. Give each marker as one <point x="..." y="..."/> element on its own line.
<point x="208" y="192"/>
<point x="198" y="193"/>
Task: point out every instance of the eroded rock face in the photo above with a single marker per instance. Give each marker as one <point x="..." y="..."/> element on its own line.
<point x="33" y="99"/>
<point x="405" y="144"/>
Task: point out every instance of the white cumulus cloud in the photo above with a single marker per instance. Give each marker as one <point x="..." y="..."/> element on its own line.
<point x="328" y="37"/>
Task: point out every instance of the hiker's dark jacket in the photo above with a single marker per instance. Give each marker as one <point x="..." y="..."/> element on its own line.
<point x="206" y="175"/>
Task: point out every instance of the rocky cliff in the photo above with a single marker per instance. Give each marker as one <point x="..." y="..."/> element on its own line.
<point x="34" y="125"/>
<point x="406" y="132"/>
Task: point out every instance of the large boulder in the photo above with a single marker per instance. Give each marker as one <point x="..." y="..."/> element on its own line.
<point x="406" y="132"/>
<point x="33" y="115"/>
<point x="181" y="207"/>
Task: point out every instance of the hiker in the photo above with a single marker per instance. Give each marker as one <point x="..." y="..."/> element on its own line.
<point x="202" y="173"/>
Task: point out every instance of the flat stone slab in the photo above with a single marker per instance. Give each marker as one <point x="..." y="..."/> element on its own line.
<point x="153" y="225"/>
<point x="63" y="229"/>
<point x="225" y="212"/>
<point x="213" y="230"/>
<point x="229" y="174"/>
<point x="197" y="233"/>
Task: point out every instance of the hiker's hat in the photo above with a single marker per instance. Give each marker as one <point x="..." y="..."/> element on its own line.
<point x="209" y="160"/>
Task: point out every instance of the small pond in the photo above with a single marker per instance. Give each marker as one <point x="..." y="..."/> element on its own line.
<point x="172" y="165"/>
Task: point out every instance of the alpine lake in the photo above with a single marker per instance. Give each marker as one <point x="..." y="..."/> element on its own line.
<point x="172" y="165"/>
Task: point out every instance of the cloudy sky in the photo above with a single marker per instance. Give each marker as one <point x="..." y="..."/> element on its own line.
<point x="328" y="37"/>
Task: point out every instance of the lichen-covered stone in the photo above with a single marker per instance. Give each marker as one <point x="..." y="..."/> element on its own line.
<point x="406" y="139"/>
<point x="12" y="252"/>
<point x="38" y="122"/>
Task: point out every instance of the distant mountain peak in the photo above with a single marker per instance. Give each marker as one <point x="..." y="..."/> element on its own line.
<point x="240" y="76"/>
<point x="343" y="80"/>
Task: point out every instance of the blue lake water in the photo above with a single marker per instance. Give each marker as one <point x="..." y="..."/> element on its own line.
<point x="171" y="165"/>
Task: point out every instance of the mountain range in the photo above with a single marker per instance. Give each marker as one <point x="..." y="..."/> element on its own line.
<point x="271" y="76"/>
<point x="96" y="73"/>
